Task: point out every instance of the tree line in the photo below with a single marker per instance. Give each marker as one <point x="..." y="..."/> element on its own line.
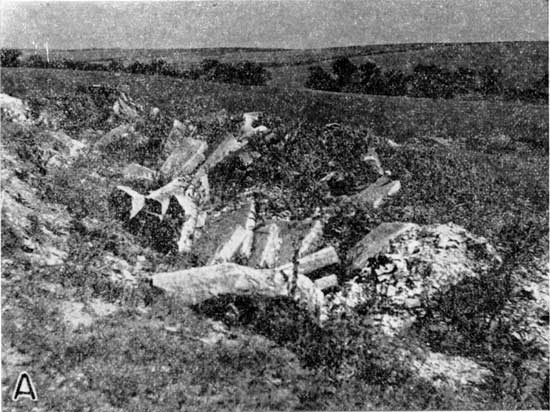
<point x="245" y="73"/>
<point x="426" y="80"/>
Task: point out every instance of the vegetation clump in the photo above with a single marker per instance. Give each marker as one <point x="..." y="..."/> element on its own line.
<point x="425" y="80"/>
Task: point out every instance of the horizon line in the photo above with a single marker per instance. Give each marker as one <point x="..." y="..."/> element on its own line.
<point x="280" y="48"/>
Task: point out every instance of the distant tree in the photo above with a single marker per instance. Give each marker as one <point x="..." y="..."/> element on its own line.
<point x="320" y="80"/>
<point x="395" y="83"/>
<point x="542" y="84"/>
<point x="343" y="69"/>
<point x="429" y="80"/>
<point x="209" y="64"/>
<point x="70" y="64"/>
<point x="157" y="66"/>
<point x="223" y="72"/>
<point x="367" y="70"/>
<point x="466" y="80"/>
<point x="136" y="67"/>
<point x="370" y="80"/>
<point x="9" y="57"/>
<point x="193" y="73"/>
<point x="115" y="66"/>
<point x="37" y="61"/>
<point x="251" y="73"/>
<point x="491" y="80"/>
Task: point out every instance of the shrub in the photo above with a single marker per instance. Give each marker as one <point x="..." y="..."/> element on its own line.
<point x="320" y="80"/>
<point x="9" y="57"/>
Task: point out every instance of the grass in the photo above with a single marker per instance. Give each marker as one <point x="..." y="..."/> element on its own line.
<point x="129" y="361"/>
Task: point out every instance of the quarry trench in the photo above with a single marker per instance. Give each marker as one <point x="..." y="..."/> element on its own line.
<point x="393" y="276"/>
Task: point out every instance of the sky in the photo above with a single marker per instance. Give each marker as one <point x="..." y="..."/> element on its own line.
<point x="267" y="23"/>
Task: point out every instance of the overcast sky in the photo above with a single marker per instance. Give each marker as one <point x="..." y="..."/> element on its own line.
<point x="266" y="23"/>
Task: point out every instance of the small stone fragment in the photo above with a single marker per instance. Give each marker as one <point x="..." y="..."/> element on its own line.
<point x="154" y="113"/>
<point x="326" y="282"/>
<point x="412" y="303"/>
<point x="391" y="291"/>
<point x="135" y="171"/>
<point x="372" y="158"/>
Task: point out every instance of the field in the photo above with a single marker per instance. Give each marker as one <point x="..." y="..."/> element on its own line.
<point x="491" y="177"/>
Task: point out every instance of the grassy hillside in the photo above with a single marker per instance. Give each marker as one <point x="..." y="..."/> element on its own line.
<point x="153" y="354"/>
<point x="520" y="62"/>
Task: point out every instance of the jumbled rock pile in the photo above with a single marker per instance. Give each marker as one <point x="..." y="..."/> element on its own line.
<point x="404" y="267"/>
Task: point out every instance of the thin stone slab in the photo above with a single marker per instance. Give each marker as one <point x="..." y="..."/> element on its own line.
<point x="326" y="282"/>
<point x="376" y="242"/>
<point x="229" y="145"/>
<point x="377" y="193"/>
<point x="195" y="285"/>
<point x="121" y="137"/>
<point x="289" y="238"/>
<point x="218" y="231"/>
<point x="135" y="171"/>
<point x="184" y="159"/>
